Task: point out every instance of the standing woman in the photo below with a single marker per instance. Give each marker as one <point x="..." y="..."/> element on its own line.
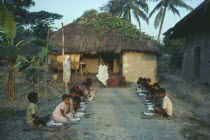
<point x="67" y="69"/>
<point x="103" y="73"/>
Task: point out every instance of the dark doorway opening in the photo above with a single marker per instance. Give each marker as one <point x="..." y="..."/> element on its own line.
<point x="197" y="62"/>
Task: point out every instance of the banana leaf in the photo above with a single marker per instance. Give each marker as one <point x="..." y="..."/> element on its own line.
<point x="7" y="22"/>
<point x="52" y="48"/>
<point x="8" y="52"/>
<point x="24" y="66"/>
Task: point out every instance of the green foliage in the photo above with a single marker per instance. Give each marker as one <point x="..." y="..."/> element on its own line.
<point x="173" y="48"/>
<point x="8" y="52"/>
<point x="7" y="22"/>
<point x="124" y="9"/>
<point x="105" y="23"/>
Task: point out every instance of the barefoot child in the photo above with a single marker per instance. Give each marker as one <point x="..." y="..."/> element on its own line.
<point x="31" y="116"/>
<point x="166" y="109"/>
<point x="62" y="112"/>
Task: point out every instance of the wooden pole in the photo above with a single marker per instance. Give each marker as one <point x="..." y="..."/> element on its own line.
<point x="63" y="42"/>
<point x="46" y="63"/>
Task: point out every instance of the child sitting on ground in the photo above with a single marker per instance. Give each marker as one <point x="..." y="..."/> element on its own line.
<point x="166" y="109"/>
<point x="31" y="116"/>
<point x="123" y="82"/>
<point x="154" y="90"/>
<point x="76" y="102"/>
<point x="89" y="80"/>
<point x="62" y="112"/>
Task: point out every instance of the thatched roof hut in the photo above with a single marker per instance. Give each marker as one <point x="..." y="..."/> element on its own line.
<point x="83" y="39"/>
<point x="110" y="36"/>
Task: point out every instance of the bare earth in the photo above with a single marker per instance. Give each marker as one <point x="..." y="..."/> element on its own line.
<point x="114" y="115"/>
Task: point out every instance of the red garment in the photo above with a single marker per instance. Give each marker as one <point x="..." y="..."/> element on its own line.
<point x="113" y="82"/>
<point x="76" y="88"/>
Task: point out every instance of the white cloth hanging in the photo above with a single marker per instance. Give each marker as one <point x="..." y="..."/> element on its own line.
<point x="67" y="70"/>
<point x="103" y="74"/>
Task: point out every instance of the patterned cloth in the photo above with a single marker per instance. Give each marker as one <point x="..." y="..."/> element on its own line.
<point x="67" y="70"/>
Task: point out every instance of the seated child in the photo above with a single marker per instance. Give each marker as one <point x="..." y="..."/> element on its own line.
<point x="89" y="80"/>
<point x="166" y="109"/>
<point x="123" y="82"/>
<point x="31" y="116"/>
<point x="154" y="89"/>
<point x="76" y="102"/>
<point x="83" y="87"/>
<point x="88" y="90"/>
<point x="75" y="87"/>
<point x="62" y="112"/>
<point x="140" y="80"/>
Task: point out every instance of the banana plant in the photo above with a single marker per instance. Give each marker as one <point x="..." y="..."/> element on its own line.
<point x="32" y="65"/>
<point x="9" y="48"/>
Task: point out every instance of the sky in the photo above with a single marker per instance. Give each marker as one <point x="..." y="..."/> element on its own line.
<point x="72" y="9"/>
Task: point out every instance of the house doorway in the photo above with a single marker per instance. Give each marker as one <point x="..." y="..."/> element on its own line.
<point x="197" y="62"/>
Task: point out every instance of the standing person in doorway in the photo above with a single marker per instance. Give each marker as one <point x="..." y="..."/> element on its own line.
<point x="103" y="73"/>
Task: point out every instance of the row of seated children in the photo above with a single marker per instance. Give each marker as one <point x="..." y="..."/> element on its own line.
<point x="156" y="95"/>
<point x="65" y="110"/>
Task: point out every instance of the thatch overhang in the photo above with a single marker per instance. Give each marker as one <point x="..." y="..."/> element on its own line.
<point x="197" y="20"/>
<point x="84" y="40"/>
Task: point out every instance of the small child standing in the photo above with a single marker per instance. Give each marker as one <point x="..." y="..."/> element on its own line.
<point x="31" y="116"/>
<point x="62" y="112"/>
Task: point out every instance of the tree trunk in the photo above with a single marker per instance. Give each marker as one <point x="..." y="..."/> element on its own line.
<point x="38" y="82"/>
<point x="161" y="25"/>
<point x="11" y="82"/>
<point x="129" y="15"/>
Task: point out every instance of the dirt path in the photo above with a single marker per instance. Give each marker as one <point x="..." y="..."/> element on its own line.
<point x="115" y="116"/>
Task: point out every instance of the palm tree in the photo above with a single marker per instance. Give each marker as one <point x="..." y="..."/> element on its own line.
<point x="124" y="8"/>
<point x="162" y="6"/>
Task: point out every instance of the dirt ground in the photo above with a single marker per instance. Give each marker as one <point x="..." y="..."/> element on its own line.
<point x="114" y="115"/>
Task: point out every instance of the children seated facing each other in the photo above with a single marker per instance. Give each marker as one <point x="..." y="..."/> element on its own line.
<point x="166" y="109"/>
<point x="62" y="112"/>
<point x="31" y="116"/>
<point x="76" y="102"/>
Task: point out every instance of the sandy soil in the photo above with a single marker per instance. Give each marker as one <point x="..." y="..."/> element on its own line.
<point x="114" y="115"/>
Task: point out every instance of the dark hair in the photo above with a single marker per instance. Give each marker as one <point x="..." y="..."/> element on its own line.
<point x="32" y="97"/>
<point x="88" y="84"/>
<point x="73" y="91"/>
<point x="65" y="96"/>
<point x="156" y="85"/>
<point x="89" y="79"/>
<point x="80" y="93"/>
<point x="149" y="79"/>
<point x="83" y="83"/>
<point x="162" y="90"/>
<point x="77" y="99"/>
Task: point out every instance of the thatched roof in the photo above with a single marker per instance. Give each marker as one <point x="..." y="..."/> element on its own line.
<point x="196" y="21"/>
<point x="84" y="39"/>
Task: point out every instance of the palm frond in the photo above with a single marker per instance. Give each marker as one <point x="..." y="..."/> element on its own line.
<point x="157" y="7"/>
<point x="137" y="17"/>
<point x="141" y="14"/>
<point x="181" y="4"/>
<point x="158" y="18"/>
<point x="174" y="10"/>
<point x="142" y="4"/>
